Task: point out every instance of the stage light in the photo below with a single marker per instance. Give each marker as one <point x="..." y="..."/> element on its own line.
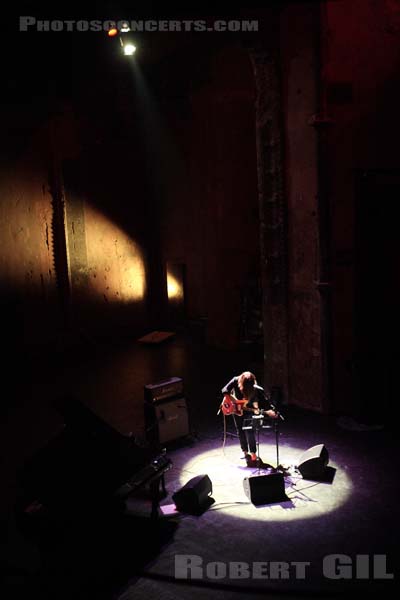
<point x="125" y="28"/>
<point x="129" y="49"/>
<point x="112" y="32"/>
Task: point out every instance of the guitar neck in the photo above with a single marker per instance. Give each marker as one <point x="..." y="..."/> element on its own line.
<point x="241" y="406"/>
<point x="249" y="409"/>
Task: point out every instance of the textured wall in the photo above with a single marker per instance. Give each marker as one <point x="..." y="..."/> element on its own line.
<point x="299" y="68"/>
<point x="210" y="221"/>
<point x="273" y="215"/>
<point x="27" y="274"/>
<point x="360" y="74"/>
<point x="99" y="285"/>
<point x="106" y="263"/>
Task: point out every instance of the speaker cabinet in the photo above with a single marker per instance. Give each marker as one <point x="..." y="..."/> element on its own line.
<point x="166" y="421"/>
<point x="194" y="496"/>
<point x="265" y="489"/>
<point x="313" y="462"/>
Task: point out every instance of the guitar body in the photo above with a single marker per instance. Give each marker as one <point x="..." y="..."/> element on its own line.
<point x="240" y="406"/>
<point x="232" y="406"/>
<point x="228" y="406"/>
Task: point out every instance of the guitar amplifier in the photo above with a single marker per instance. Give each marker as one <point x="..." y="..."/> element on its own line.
<point x="166" y="420"/>
<point x="168" y="388"/>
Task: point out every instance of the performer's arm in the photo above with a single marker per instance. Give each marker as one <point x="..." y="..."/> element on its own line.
<point x="229" y="386"/>
<point x="270" y="412"/>
<point x="273" y="412"/>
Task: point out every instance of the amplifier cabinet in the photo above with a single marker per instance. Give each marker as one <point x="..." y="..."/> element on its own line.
<point x="166" y="420"/>
<point x="156" y="392"/>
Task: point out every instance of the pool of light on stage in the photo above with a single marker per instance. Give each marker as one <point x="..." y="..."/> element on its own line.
<point x="306" y="499"/>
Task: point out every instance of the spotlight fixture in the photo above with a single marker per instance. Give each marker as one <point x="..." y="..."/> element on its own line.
<point x="112" y="32"/>
<point x="125" y="27"/>
<point x="129" y="49"/>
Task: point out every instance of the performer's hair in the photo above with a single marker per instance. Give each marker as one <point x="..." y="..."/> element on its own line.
<point x="246" y="383"/>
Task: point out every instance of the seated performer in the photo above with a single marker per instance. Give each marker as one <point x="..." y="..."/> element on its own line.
<point x="248" y="398"/>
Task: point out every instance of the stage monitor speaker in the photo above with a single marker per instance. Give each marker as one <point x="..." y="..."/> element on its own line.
<point x="167" y="421"/>
<point x="313" y="462"/>
<point x="265" y="489"/>
<point x="194" y="496"/>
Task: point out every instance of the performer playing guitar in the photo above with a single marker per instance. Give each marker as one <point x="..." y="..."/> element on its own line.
<point x="242" y="394"/>
<point x="232" y="406"/>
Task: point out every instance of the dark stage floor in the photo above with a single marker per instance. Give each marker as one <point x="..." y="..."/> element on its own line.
<point x="354" y="515"/>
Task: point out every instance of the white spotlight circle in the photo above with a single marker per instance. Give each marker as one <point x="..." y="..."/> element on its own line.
<point x="306" y="499"/>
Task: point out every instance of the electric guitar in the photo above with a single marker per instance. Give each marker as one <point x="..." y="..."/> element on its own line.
<point x="232" y="406"/>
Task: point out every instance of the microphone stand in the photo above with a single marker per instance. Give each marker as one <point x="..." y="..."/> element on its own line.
<point x="276" y="428"/>
<point x="256" y="426"/>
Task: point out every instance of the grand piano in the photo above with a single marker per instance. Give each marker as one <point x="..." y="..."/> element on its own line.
<point x="87" y="469"/>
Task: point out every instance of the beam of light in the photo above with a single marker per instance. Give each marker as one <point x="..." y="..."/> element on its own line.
<point x="174" y="288"/>
<point x="158" y="141"/>
<point x="116" y="266"/>
<point x="306" y="499"/>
